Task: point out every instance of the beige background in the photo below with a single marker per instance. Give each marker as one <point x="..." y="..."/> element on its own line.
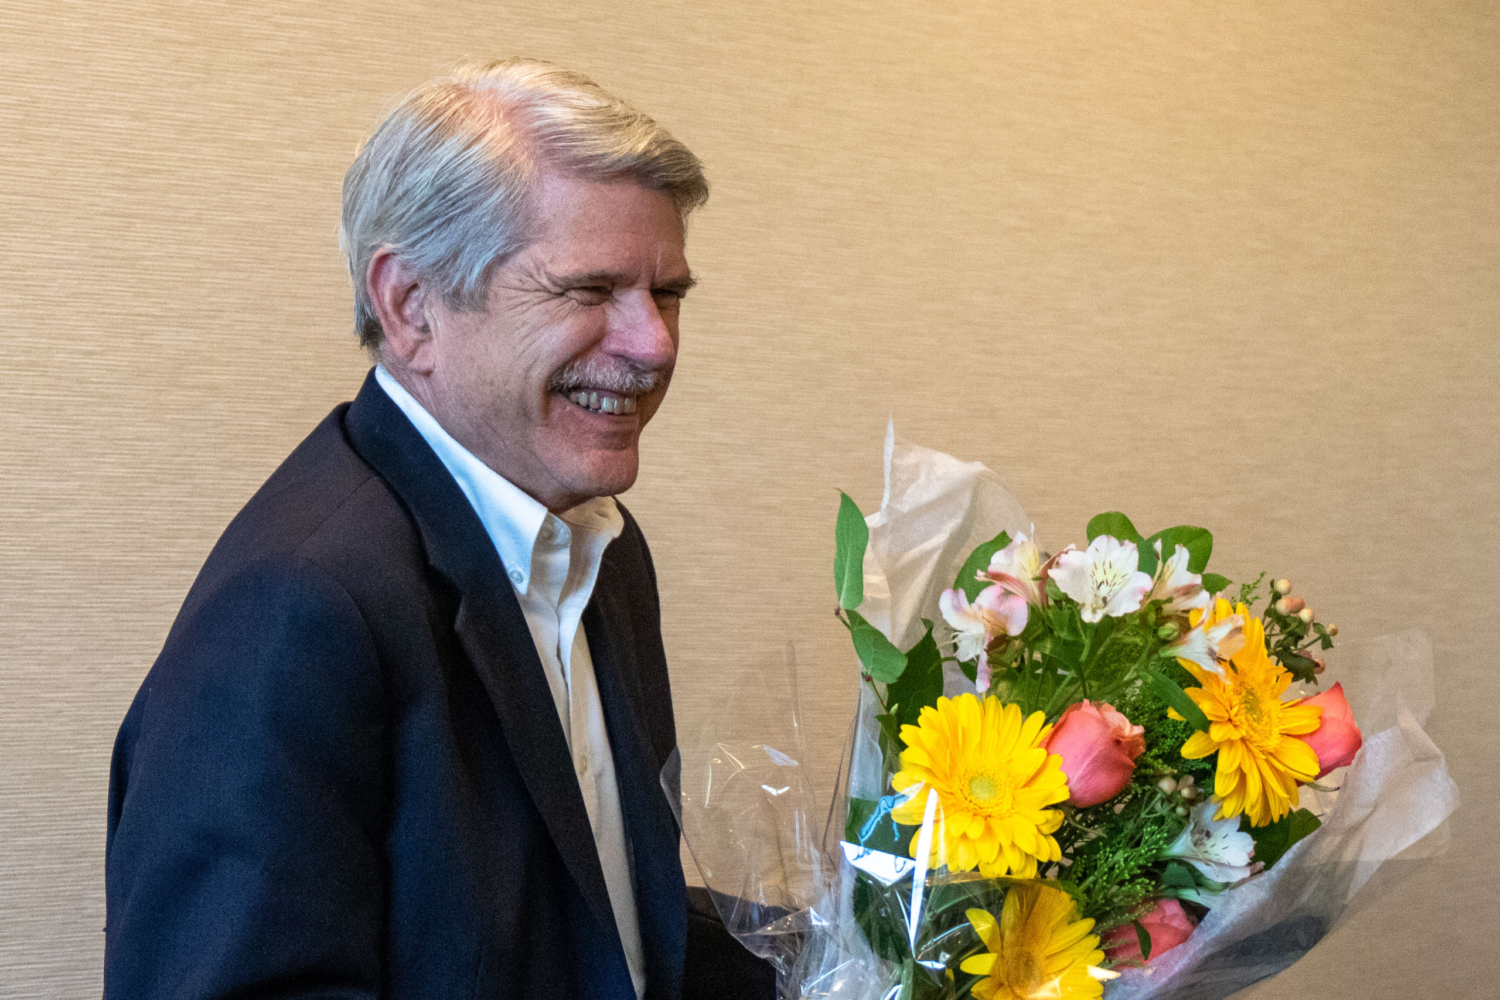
<point x="1226" y="263"/>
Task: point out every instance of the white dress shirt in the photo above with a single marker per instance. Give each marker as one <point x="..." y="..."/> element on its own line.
<point x="553" y="563"/>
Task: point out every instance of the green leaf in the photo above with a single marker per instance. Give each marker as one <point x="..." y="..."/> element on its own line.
<point x="1115" y="524"/>
<point x="884" y="834"/>
<point x="1272" y="841"/>
<point x="978" y="562"/>
<point x="1178" y="876"/>
<point x="880" y="657"/>
<point x="920" y="684"/>
<point x="1198" y="541"/>
<point x="881" y="913"/>
<point x="1142" y="938"/>
<point x="860" y="810"/>
<point x="1066" y="653"/>
<point x="1175" y="697"/>
<point x="1066" y="621"/>
<point x="890" y="743"/>
<point x="1214" y="583"/>
<point x="1303" y="668"/>
<point x="1099" y="633"/>
<point x="851" y="536"/>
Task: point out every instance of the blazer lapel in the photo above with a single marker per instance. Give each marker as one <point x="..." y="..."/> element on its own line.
<point x="660" y="889"/>
<point x="492" y="630"/>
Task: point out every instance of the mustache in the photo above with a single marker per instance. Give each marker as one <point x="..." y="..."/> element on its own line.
<point x="612" y="374"/>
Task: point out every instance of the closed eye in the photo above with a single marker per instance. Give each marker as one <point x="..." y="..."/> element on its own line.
<point x="589" y="295"/>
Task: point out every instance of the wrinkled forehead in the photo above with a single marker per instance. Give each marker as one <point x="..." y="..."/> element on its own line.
<point x="616" y="230"/>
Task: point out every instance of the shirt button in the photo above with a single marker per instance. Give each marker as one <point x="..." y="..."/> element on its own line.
<point x="546" y="532"/>
<point x="517" y="577"/>
<point x="583" y="763"/>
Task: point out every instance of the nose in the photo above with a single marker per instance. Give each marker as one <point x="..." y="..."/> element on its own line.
<point x="640" y="331"/>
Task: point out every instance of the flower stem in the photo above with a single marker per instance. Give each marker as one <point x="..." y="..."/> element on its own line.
<point x="1088" y="642"/>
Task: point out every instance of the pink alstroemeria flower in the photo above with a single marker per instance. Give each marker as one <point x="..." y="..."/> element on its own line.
<point x="993" y="613"/>
<point x="1017" y="568"/>
<point x="1183" y="591"/>
<point x="1207" y="646"/>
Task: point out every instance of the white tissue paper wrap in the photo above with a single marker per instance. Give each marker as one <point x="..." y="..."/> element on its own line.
<point x="782" y="883"/>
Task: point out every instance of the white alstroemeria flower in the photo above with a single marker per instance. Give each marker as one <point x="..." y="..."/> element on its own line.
<point x="1016" y="569"/>
<point x="1216" y="848"/>
<point x="1104" y="578"/>
<point x="1183" y="591"/>
<point x="1207" y="646"/>
<point x="994" y="612"/>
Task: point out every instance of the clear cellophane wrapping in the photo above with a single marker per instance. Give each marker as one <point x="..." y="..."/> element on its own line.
<point x="792" y="881"/>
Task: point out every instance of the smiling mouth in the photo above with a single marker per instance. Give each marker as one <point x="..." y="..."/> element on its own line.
<point x="603" y="401"/>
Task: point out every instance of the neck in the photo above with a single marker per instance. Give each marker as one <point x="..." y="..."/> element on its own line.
<point x="540" y="487"/>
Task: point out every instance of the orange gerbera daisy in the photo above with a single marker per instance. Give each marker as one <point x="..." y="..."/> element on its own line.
<point x="1254" y="732"/>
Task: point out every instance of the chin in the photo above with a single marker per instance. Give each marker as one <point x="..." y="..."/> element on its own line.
<point x="602" y="475"/>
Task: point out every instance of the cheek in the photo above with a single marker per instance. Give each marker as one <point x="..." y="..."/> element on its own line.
<point x="513" y="382"/>
<point x="650" y="404"/>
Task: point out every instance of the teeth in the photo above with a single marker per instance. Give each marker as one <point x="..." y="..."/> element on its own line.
<point x="605" y="403"/>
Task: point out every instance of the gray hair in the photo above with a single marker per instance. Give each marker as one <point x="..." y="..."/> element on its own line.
<point x="446" y="180"/>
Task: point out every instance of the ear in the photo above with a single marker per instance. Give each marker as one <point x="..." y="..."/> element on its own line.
<point x="400" y="299"/>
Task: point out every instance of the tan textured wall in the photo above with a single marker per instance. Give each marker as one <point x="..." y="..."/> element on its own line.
<point x="1234" y="264"/>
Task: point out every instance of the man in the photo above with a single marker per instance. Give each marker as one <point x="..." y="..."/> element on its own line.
<point x="405" y="736"/>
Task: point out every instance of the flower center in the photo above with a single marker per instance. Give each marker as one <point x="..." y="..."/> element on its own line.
<point x="1107" y="578"/>
<point x="1258" y="718"/>
<point x="989" y="795"/>
<point x="1025" y="977"/>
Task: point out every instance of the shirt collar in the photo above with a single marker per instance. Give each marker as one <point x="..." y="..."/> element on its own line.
<point x="510" y="516"/>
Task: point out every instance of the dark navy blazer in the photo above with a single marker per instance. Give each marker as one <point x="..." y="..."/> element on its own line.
<point x="344" y="775"/>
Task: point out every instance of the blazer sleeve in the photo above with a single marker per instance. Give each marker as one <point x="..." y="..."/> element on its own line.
<point x="247" y="799"/>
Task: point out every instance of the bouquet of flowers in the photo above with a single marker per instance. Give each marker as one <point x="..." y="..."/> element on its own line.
<point x="1103" y="771"/>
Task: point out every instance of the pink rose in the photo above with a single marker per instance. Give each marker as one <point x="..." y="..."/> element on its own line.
<point x="1167" y="925"/>
<point x="1337" y="738"/>
<point x="1098" y="747"/>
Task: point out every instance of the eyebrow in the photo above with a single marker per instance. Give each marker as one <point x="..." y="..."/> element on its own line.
<point x="612" y="278"/>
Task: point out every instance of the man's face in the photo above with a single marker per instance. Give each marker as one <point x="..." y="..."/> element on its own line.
<point x="551" y="385"/>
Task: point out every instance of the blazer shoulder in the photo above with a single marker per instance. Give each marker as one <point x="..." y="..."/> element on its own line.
<point x="323" y="504"/>
<point x="311" y="485"/>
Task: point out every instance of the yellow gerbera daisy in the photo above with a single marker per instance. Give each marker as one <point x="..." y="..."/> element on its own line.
<point x="1254" y="732"/>
<point x="1038" y="949"/>
<point x="994" y="782"/>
